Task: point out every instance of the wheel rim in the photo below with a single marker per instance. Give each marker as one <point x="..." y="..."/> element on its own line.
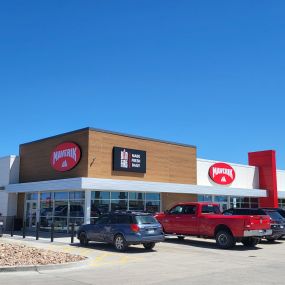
<point x="119" y="242"/>
<point x="223" y="239"/>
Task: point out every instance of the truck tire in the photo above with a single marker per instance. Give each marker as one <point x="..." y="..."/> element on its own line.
<point x="181" y="237"/>
<point x="83" y="239"/>
<point x="271" y="239"/>
<point x="225" y="240"/>
<point x="250" y="241"/>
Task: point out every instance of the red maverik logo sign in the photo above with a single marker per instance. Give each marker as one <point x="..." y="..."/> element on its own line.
<point x="65" y="156"/>
<point x="222" y="173"/>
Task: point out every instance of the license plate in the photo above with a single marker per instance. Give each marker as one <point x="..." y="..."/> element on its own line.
<point x="281" y="227"/>
<point x="1" y="223"/>
<point x="151" y="231"/>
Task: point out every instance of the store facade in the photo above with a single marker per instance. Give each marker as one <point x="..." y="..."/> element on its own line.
<point x="74" y="177"/>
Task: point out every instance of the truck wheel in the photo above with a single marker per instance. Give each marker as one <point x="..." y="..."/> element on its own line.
<point x="120" y="243"/>
<point x="149" y="245"/>
<point x="225" y="240"/>
<point x="271" y="239"/>
<point x="181" y="237"/>
<point x="250" y="242"/>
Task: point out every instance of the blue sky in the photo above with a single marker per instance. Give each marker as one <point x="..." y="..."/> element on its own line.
<point x="207" y="73"/>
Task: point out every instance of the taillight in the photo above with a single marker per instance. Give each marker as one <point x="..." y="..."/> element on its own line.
<point x="135" y="228"/>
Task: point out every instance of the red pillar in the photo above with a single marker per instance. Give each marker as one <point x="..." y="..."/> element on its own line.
<point x="266" y="163"/>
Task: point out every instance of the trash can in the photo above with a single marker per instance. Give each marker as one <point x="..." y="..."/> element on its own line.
<point x="1" y="227"/>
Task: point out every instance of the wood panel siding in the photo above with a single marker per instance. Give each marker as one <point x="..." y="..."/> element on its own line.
<point x="165" y="162"/>
<point x="35" y="158"/>
<point x="170" y="199"/>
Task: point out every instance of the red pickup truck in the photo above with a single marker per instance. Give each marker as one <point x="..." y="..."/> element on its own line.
<point x="205" y="220"/>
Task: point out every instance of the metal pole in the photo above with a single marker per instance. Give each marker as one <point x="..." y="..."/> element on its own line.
<point x="51" y="232"/>
<point x="37" y="230"/>
<point x="24" y="229"/>
<point x="12" y="227"/>
<point x="72" y="233"/>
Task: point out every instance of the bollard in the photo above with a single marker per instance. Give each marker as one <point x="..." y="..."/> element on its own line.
<point x="72" y="233"/>
<point x="37" y="230"/>
<point x="12" y="227"/>
<point x="24" y="229"/>
<point x="51" y="232"/>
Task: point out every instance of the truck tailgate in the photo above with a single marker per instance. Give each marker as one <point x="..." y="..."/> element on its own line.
<point x="257" y="222"/>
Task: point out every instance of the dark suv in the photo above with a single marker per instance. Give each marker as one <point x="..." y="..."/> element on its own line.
<point x="123" y="229"/>
<point x="277" y="221"/>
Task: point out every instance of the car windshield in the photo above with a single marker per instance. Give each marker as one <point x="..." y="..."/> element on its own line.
<point x="145" y="219"/>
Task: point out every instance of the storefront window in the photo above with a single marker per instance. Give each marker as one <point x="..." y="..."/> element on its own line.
<point x="281" y="203"/>
<point x="243" y="202"/>
<point x="119" y="205"/>
<point x="98" y="195"/>
<point x="152" y="206"/>
<point x="32" y="196"/>
<point x="119" y="195"/>
<point x="205" y="198"/>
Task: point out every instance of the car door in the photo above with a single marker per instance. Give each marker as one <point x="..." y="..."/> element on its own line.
<point x="171" y="221"/>
<point x="97" y="230"/>
<point x="187" y="221"/>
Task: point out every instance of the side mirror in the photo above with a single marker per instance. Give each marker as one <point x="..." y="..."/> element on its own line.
<point x="166" y="212"/>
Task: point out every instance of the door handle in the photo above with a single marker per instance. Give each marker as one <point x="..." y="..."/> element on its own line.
<point x="193" y="218"/>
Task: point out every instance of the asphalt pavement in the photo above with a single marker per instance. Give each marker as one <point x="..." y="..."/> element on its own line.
<point x="192" y="261"/>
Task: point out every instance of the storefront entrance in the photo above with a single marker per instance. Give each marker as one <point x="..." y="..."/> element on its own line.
<point x="31" y="214"/>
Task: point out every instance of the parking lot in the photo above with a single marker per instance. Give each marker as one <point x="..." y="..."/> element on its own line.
<point x="193" y="261"/>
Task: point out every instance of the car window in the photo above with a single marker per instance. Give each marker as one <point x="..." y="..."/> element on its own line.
<point x="176" y="210"/>
<point x="123" y="219"/>
<point x="145" y="219"/>
<point x="189" y="209"/>
<point x="210" y="209"/>
<point x="103" y="220"/>
<point x="228" y="212"/>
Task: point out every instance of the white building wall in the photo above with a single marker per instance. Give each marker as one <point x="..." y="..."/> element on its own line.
<point x="9" y="173"/>
<point x="247" y="177"/>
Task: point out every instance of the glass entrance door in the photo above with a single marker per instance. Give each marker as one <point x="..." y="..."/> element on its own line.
<point x="31" y="214"/>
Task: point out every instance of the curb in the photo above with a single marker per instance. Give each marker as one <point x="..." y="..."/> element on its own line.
<point x="37" y="268"/>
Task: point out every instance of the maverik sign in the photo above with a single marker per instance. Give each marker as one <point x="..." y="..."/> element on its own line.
<point x="131" y="160"/>
<point x="65" y="156"/>
<point x="222" y="173"/>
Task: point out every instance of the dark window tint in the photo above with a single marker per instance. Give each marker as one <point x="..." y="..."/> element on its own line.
<point x="145" y="220"/>
<point x="189" y="209"/>
<point x="274" y="215"/>
<point x="123" y="219"/>
<point x="210" y="209"/>
<point x="246" y="212"/>
<point x="103" y="220"/>
<point x="228" y="212"/>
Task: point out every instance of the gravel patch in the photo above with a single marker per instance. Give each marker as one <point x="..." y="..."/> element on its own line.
<point x="12" y="254"/>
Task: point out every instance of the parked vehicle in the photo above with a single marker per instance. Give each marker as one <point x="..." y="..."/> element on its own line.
<point x="277" y="222"/>
<point x="205" y="220"/>
<point x="123" y="229"/>
<point x="279" y="210"/>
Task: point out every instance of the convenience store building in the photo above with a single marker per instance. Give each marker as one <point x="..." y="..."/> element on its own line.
<point x="76" y="176"/>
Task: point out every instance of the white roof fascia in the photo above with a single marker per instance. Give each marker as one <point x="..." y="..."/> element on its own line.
<point x="81" y="183"/>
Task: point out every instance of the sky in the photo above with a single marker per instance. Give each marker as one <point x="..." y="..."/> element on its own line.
<point x="205" y="73"/>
